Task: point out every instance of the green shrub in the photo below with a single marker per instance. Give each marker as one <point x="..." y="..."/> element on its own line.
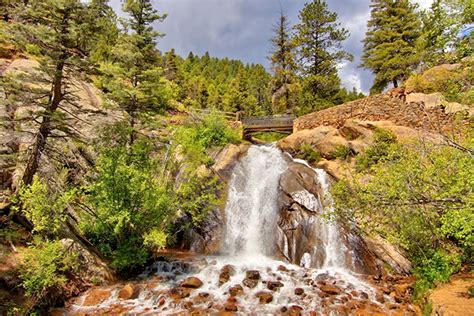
<point x="45" y="209"/>
<point x="436" y="268"/>
<point x="342" y="152"/>
<point x="44" y="269"/>
<point x="383" y="147"/>
<point x="306" y="152"/>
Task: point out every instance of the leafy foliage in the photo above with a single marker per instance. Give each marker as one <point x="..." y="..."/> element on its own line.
<point x="129" y="202"/>
<point x="45" y="268"/>
<point x="384" y="147"/>
<point x="307" y="153"/>
<point x="419" y="197"/>
<point x="45" y="209"/>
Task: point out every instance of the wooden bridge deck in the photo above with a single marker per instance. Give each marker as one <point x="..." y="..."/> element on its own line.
<point x="258" y="124"/>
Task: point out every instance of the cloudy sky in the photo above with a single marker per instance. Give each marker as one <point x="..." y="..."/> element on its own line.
<point x="241" y="29"/>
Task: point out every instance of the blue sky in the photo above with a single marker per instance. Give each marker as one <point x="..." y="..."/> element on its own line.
<point x="241" y="29"/>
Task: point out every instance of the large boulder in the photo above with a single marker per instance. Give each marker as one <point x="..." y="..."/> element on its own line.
<point x="389" y="254"/>
<point x="226" y="159"/>
<point x="92" y="269"/>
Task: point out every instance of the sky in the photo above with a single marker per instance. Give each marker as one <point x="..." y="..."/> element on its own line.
<point x="241" y="29"/>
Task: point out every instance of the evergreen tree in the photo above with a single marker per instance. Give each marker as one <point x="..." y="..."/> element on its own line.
<point x="390" y="42"/>
<point x="60" y="32"/>
<point x="319" y="41"/>
<point x="283" y="67"/>
<point x="132" y="78"/>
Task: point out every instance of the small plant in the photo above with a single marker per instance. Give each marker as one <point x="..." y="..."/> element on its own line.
<point x="341" y="152"/>
<point x="44" y="269"/>
<point x="307" y="153"/>
<point x="470" y="292"/>
<point x="384" y="142"/>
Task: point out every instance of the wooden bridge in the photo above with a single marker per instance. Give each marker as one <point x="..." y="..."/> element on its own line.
<point x="260" y="124"/>
<point x="255" y="124"/>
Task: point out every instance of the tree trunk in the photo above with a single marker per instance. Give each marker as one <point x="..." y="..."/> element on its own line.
<point x="395" y="83"/>
<point x="56" y="96"/>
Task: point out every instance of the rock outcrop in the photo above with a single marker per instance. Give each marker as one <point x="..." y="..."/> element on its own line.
<point x="300" y="224"/>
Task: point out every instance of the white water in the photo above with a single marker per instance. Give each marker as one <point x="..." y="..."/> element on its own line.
<point x="252" y="205"/>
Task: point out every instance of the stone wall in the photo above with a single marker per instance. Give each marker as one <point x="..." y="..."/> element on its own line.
<point x="384" y="107"/>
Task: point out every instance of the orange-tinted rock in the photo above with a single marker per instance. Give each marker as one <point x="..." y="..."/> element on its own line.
<point x="252" y="275"/>
<point x="250" y="283"/>
<point x="236" y="290"/>
<point x="226" y="272"/>
<point x="96" y="297"/>
<point x="299" y="291"/>
<point x="330" y="289"/>
<point x="274" y="285"/>
<point x="295" y="310"/>
<point x="129" y="292"/>
<point x="264" y="297"/>
<point x="230" y="307"/>
<point x="179" y="293"/>
<point x="192" y="283"/>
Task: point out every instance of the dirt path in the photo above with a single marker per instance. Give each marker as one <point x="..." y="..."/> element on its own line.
<point x="452" y="299"/>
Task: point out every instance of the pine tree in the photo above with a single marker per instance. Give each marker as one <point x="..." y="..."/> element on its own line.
<point x="319" y="40"/>
<point x="60" y="31"/>
<point x="390" y="42"/>
<point x="132" y="78"/>
<point x="283" y="66"/>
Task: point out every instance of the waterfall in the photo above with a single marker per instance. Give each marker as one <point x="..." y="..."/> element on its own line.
<point x="333" y="246"/>
<point x="248" y="264"/>
<point x="252" y="204"/>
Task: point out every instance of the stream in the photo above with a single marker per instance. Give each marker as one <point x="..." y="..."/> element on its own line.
<point x="247" y="277"/>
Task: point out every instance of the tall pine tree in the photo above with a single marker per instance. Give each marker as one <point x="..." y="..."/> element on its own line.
<point x="132" y="77"/>
<point x="283" y="67"/>
<point x="390" y="43"/>
<point x="319" y="40"/>
<point x="60" y="32"/>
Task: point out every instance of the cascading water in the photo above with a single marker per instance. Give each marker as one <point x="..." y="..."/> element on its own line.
<point x="252" y="213"/>
<point x="252" y="205"/>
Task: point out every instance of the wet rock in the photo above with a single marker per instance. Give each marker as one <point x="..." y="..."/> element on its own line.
<point x="364" y="295"/>
<point x="283" y="309"/>
<point x="274" y="285"/>
<point x="178" y="293"/>
<point x="282" y="268"/>
<point x="96" y="297"/>
<point x="252" y="275"/>
<point x="129" y="292"/>
<point x="264" y="297"/>
<point x="230" y="307"/>
<point x="250" y="283"/>
<point x="295" y="310"/>
<point x="299" y="291"/>
<point x="226" y="272"/>
<point x="236" y="290"/>
<point x="192" y="283"/>
<point x="379" y="297"/>
<point x="201" y="298"/>
<point x="330" y="289"/>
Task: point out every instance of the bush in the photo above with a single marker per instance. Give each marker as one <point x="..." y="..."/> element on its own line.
<point x="306" y="152"/>
<point x="422" y="201"/>
<point x="45" y="209"/>
<point x="436" y="268"/>
<point x="129" y="202"/>
<point x="384" y="145"/>
<point x="341" y="152"/>
<point x="45" y="268"/>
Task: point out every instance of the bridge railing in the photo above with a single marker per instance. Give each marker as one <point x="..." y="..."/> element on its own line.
<point x="268" y="121"/>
